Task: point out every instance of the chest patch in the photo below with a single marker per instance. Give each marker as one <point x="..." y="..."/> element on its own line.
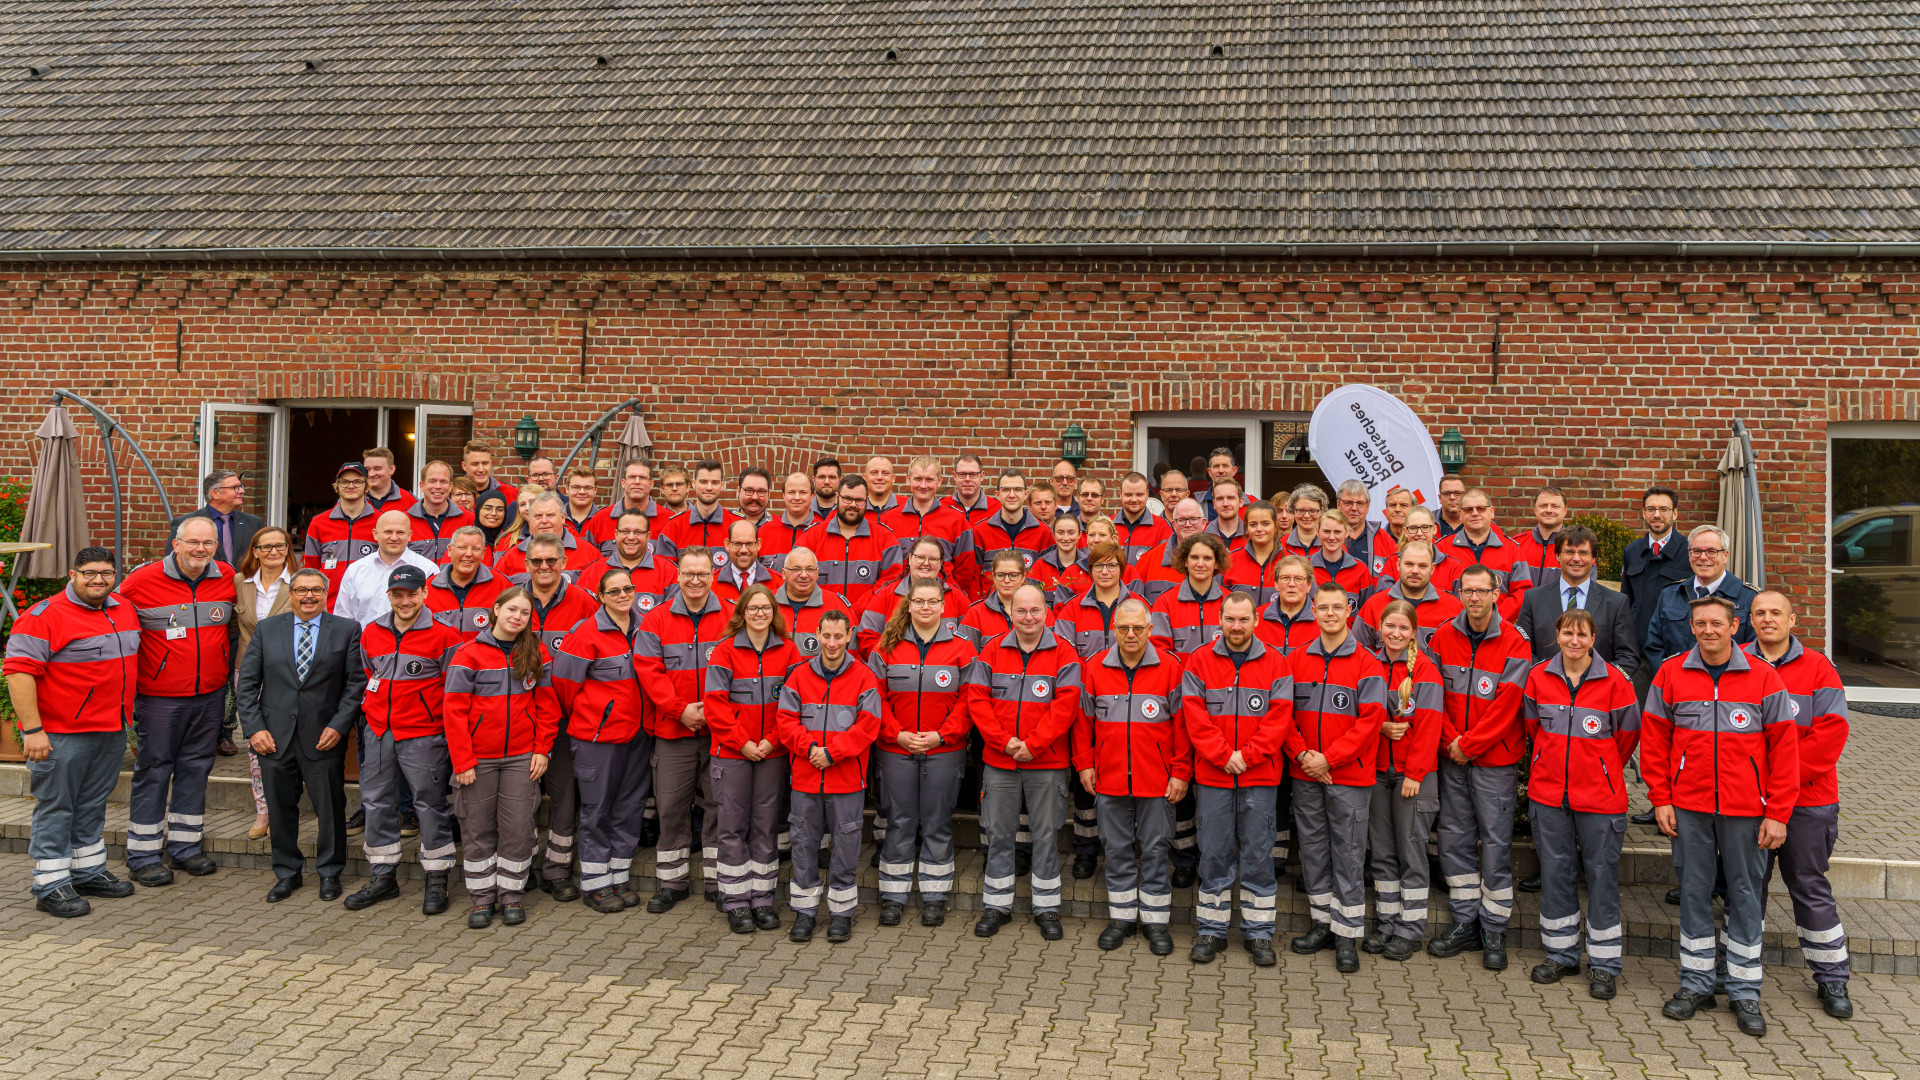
<point x="1485" y="685"/>
<point x="1340" y="699"/>
<point x="943" y="679"/>
<point x="1739" y="719"/>
<point x="1149" y="709"/>
<point x="1591" y="725"/>
<point x="414" y="667"/>
<point x="1041" y="688"/>
<point x="1254" y="701"/>
<point x="1795" y="706"/>
<point x="862" y="571"/>
<point x="482" y="618"/>
<point x="645" y="602"/>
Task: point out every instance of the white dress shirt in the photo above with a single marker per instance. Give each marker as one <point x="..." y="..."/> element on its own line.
<point x="265" y="591"/>
<point x="363" y="588"/>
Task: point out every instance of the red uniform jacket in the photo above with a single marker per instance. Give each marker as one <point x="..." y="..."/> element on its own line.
<point x="1138" y="537"/>
<point x="777" y="538"/>
<point x="1185" y="622"/>
<point x="432" y="538"/>
<point x="743" y="692"/>
<point x="1720" y="748"/>
<point x="986" y="507"/>
<point x="803" y="619"/>
<point x="1819" y="707"/>
<point x="985" y="621"/>
<point x="1287" y="632"/>
<point x="1485" y="679"/>
<point x="1155" y="572"/>
<point x="670" y="654"/>
<point x="601" y="526"/>
<point x="943" y="523"/>
<point x="397" y="498"/>
<point x="468" y="614"/>
<point x="1247" y="574"/>
<point x="1134" y="737"/>
<point x="491" y="713"/>
<point x="1060" y="583"/>
<point x="938" y="685"/>
<point x="1339" y="703"/>
<point x="512" y="563"/>
<point x="335" y="540"/>
<point x="1511" y="574"/>
<point x="839" y="710"/>
<point x="1582" y="736"/>
<point x="881" y="605"/>
<point x="1087" y="623"/>
<point x="853" y="566"/>
<point x="1376" y="548"/>
<point x="1542" y="561"/>
<point x="692" y="528"/>
<point x="1350" y="574"/>
<point x="1036" y="699"/>
<point x="1246" y="707"/>
<point x="1414" y="754"/>
<point x="994" y="535"/>
<point x="570" y="608"/>
<point x="187" y="628"/>
<point x="407" y="676"/>
<point x="655" y="580"/>
<point x="1430" y="613"/>
<point x="85" y="661"/>
<point x="598" y="684"/>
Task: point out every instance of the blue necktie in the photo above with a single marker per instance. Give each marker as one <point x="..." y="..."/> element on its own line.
<point x="303" y="651"/>
<point x="1573" y="597"/>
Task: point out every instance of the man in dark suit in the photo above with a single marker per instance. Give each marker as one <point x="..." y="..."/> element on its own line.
<point x="299" y="688"/>
<point x="1614" y="638"/>
<point x="224" y="492"/>
<point x="1652" y="563"/>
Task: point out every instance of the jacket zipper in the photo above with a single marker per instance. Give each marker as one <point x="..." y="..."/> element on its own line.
<point x="1759" y="788"/>
<point x="1716" y="743"/>
<point x="1320" y="711"/>
<point x="1129" y="737"/>
<point x="1236" y="718"/>
<point x="1566" y="764"/>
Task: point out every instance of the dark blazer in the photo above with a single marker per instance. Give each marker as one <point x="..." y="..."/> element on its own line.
<point x="1614" y="639"/>
<point x="244" y="526"/>
<point x="1670" y="632"/>
<point x="1643" y="577"/>
<point x="269" y="698"/>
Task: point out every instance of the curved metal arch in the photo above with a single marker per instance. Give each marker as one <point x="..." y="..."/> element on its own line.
<point x="109" y="427"/>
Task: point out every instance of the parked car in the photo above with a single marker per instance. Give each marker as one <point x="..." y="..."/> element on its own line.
<point x="1876" y="585"/>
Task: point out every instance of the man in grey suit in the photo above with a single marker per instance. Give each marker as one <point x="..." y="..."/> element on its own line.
<point x="1614" y="639"/>
<point x="299" y="688"/>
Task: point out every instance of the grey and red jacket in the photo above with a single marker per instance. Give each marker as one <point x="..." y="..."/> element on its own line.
<point x="803" y="618"/>
<point x="942" y="523"/>
<point x="671" y="651"/>
<point x="1036" y="699"/>
<point x="994" y="535"/>
<point x="512" y="563"/>
<point x="1542" y="561"/>
<point x="598" y="686"/>
<point x="406" y="676"/>
<point x="1582" y="736"/>
<point x="1137" y="537"/>
<point x="569" y="608"/>
<point x="187" y="628"/>
<point x="1415" y="753"/>
<point x="838" y="710"/>
<point x="986" y="621"/>
<point x="1247" y="574"/>
<point x="432" y="537"/>
<point x="1287" y="633"/>
<point x="938" y="685"/>
<point x="1430" y="613"/>
<point x="1349" y="573"/>
<point x="600" y="528"/>
<point x="882" y="604"/>
<point x="743" y="692"/>
<point x="493" y="713"/>
<point x="853" y="566"/>
<point x="84" y="661"/>
<point x="1511" y="574"/>
<point x="1184" y="621"/>
<point x="1060" y="583"/>
<point x="1819" y="706"/>
<point x="691" y="528"/>
<point x="1720" y="746"/>
<point x="1135" y="735"/>
<point x="655" y="579"/>
<point x="1154" y="572"/>
<point x="985" y="507"/>
<point x="778" y="537"/>
<point x="335" y="540"/>
<point x="1486" y="676"/>
<point x="1088" y="623"/>
<point x="1245" y="706"/>
<point x="469" y="612"/>
<point x="1375" y="547"/>
<point x="1339" y="703"/>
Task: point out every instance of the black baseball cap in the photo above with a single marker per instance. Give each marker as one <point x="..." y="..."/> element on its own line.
<point x="407" y="577"/>
<point x="347" y="467"/>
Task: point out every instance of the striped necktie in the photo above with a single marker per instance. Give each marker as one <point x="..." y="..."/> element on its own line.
<point x="303" y="651"/>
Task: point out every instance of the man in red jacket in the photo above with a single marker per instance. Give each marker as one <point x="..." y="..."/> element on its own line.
<point x="969" y="495"/>
<point x="1478" y="543"/>
<point x="855" y="552"/>
<point x="435" y="517"/>
<point x="187" y="635"/>
<point x="1014" y="528"/>
<point x="1485" y="661"/>
<point x="406" y="653"/>
<point x="1137" y="763"/>
<point x="1036" y="704"/>
<point x="72" y="667"/>
<point x="1237" y="703"/>
<point x="922" y="514"/>
<point x="1139" y="528"/>
<point x="341" y="536"/>
<point x="558" y="607"/>
<point x="1339" y="703"/>
<point x="636" y="494"/>
<point x="1432" y="608"/>
<point x="1728" y="716"/>
<point x="829" y="716"/>
<point x="703" y="523"/>
<point x="461" y="594"/>
<point x="1819" y="706"/>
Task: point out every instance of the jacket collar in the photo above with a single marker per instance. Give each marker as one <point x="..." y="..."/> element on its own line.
<point x="1319" y="561"/>
<point x="1274" y="613"/>
<point x="1794" y="651"/>
<point x="1051" y="557"/>
<point x="171" y="566"/>
<point x="1557" y="665"/>
<point x="418" y="511"/>
<point x="1694" y="662"/>
<point x="645" y="563"/>
<point x="694" y="517"/>
<point x="444" y="579"/>
<point x="1188" y="596"/>
<point x="1147" y="517"/>
<point x="567" y="541"/>
<point x="1047" y="640"/>
<point x="368" y="507"/>
<point x="1151" y="657"/>
<point x="1027" y="520"/>
<point x="1346" y="648"/>
<point x="112" y="601"/>
<point x="1254" y="651"/>
<point x="943" y="632"/>
<point x="1493" y="623"/>
<point x="679" y="605"/>
<point x="813" y="600"/>
<point x="819" y="666"/>
<point x="1433" y="594"/>
<point x="604" y="622"/>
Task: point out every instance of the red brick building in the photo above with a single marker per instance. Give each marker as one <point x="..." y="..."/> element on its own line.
<point x="864" y="231"/>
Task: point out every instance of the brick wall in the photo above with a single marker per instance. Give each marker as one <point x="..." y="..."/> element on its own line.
<point x="1610" y="374"/>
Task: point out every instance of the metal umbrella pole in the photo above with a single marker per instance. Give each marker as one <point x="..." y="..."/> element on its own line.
<point x="109" y="427"/>
<point x="597" y="432"/>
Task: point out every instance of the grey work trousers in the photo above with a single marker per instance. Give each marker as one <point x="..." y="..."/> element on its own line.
<point x="563" y="809"/>
<point x="815" y="816"/>
<point x="1397" y="830"/>
<point x="1002" y="791"/>
<point x="1714" y="843"/>
<point x="1811" y="834"/>
<point x="167" y="809"/>
<point x="921" y="792"/>
<point x="679" y="781"/>
<point x="748" y="798"/>
<point x="1137" y="833"/>
<point x="421" y="763"/>
<point x="1476" y="810"/>
<point x="611" y="779"/>
<point x="70" y="790"/>
<point x="496" y="815"/>
<point x="1569" y="841"/>
<point x="1332" y="819"/>
<point x="1235" y="830"/>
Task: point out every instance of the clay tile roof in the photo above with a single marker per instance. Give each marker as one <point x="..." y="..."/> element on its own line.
<point x="149" y="125"/>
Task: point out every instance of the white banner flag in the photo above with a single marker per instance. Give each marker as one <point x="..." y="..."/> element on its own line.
<point x="1363" y="433"/>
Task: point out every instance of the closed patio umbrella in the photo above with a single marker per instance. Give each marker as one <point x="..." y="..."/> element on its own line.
<point x="56" y="509"/>
<point x="1740" y="509"/>
<point x="634" y="442"/>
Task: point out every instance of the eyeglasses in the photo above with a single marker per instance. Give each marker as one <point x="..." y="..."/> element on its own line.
<point x="695" y="575"/>
<point x="270" y="547"/>
<point x="1711" y="553"/>
<point x="95" y="575"/>
<point x="927" y="601"/>
<point x="199" y="545"/>
<point x="1130" y="630"/>
<point x="543" y="562"/>
<point x="1008" y="575"/>
<point x="1476" y="592"/>
<point x="617" y="590"/>
<point x="1188" y="520"/>
<point x="309" y="590"/>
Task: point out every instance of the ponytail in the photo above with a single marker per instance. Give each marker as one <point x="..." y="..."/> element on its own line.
<point x="1412" y="658"/>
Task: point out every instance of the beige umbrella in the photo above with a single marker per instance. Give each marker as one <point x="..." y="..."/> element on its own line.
<point x="1740" y="509"/>
<point x="634" y="444"/>
<point x="55" y="508"/>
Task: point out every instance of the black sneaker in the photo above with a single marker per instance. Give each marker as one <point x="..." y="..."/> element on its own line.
<point x="802" y="931"/>
<point x="480" y="917"/>
<point x="890" y="913"/>
<point x="409" y="823"/>
<point x="933" y="913"/>
<point x="1315" y="940"/>
<point x="357" y="822"/>
<point x="1833" y="998"/>
<point x="628" y="897"/>
<point x="1117" y="933"/>
<point x="1552" y="972"/>
<point x="1747" y="1017"/>
<point x="152" y="874"/>
<point x="1083" y="866"/>
<point x="839" y="928"/>
<point x="104" y="884"/>
<point x="379" y="887"/>
<point x="1684" y="1003"/>
<point x="990" y="922"/>
<point x="64" y="903"/>
<point x="1206" y="947"/>
<point x="1261" y="949"/>
<point x="1461" y="937"/>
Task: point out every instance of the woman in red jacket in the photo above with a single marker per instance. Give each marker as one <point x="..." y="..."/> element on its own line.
<point x="930" y="682"/>
<point x="748" y="764"/>
<point x="1254" y="563"/>
<point x="1583" y="719"/>
<point x="501" y="716"/>
<point x="606" y="714"/>
<point x="1061" y="570"/>
<point x="1406" y="795"/>
<point x="1186" y="618"/>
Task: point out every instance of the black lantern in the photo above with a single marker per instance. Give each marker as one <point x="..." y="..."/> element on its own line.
<point x="1453" y="451"/>
<point x="1073" y="445"/>
<point x="526" y="438"/>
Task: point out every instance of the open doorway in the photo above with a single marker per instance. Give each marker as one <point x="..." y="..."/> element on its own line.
<point x="1186" y="444"/>
<point x="324" y="438"/>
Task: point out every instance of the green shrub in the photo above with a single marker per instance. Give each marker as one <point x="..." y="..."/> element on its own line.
<point x="1614" y="538"/>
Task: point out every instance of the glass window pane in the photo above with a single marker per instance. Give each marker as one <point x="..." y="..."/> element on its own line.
<point x="243" y="442"/>
<point x="1876" y="586"/>
<point x="447" y="435"/>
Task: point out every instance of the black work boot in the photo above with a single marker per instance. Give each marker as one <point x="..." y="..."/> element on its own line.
<point x="1314" y="940"/>
<point x="379" y="887"/>
<point x="1458" y="939"/>
<point x="435" y="902"/>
